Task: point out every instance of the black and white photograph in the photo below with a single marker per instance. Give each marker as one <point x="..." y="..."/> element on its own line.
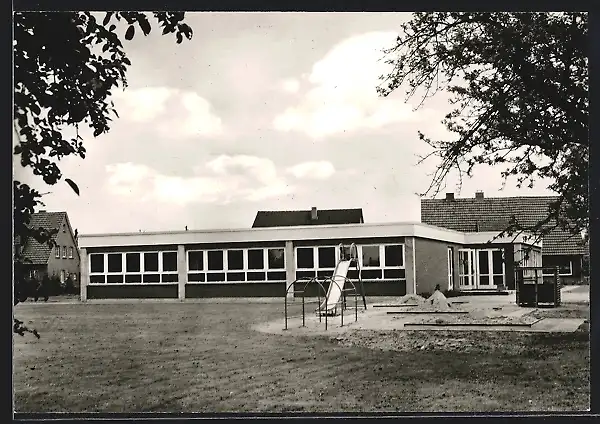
<point x="300" y="213"/>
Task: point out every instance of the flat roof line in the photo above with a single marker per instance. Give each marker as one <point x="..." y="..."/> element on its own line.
<point x="259" y="229"/>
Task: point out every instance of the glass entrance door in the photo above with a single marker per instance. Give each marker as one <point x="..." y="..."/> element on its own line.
<point x="481" y="268"/>
<point x="466" y="269"/>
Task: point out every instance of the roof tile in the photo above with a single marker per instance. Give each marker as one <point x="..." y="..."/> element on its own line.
<point x="33" y="251"/>
<point x="495" y="213"/>
<point x="298" y="217"/>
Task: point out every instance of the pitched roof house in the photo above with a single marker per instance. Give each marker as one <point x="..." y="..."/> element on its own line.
<point x="63" y="259"/>
<point x="494" y="214"/>
<point x="308" y="217"/>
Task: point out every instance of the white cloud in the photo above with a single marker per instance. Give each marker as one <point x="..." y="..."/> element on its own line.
<point x="290" y="85"/>
<point x="318" y="170"/>
<point x="175" y="113"/>
<point x="222" y="180"/>
<point x="142" y="104"/>
<point x="344" y="97"/>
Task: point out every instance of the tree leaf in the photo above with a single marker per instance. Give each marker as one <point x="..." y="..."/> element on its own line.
<point x="145" y="25"/>
<point x="130" y="32"/>
<point x="72" y="185"/>
<point x="107" y="18"/>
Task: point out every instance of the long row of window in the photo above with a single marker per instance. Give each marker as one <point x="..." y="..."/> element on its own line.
<point x="133" y="267"/>
<point x="376" y="262"/>
<point x="242" y="265"/>
<point x="236" y="265"/>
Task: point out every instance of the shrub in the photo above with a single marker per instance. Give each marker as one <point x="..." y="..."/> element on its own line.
<point x="52" y="286"/>
<point x="70" y="287"/>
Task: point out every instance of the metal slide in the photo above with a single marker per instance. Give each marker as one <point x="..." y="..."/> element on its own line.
<point x="334" y="292"/>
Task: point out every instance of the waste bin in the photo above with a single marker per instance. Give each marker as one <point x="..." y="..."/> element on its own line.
<point x="537" y="286"/>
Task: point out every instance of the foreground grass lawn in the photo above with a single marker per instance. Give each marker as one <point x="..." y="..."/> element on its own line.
<point x="194" y="357"/>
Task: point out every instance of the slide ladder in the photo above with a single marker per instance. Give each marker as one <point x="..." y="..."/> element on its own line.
<point x="337" y="284"/>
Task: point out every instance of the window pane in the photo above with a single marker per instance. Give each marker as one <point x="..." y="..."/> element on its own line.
<point x="218" y="276"/>
<point x="256" y="259"/>
<point x="276" y="276"/>
<point x="151" y="278"/>
<point x="256" y="276"/>
<point x="96" y="262"/>
<point x="497" y="262"/>
<point x="370" y="274"/>
<point x="114" y="279"/>
<point x="326" y="257"/>
<point x="170" y="278"/>
<point x="115" y="262"/>
<point x="235" y="259"/>
<point x="463" y="263"/>
<point x="196" y="277"/>
<point x="394" y="273"/>
<point x="196" y="261"/>
<point x="133" y="278"/>
<point x="393" y="255"/>
<point x="370" y="255"/>
<point x="151" y="262"/>
<point x="169" y="260"/>
<point x="484" y="267"/>
<point x="57" y="251"/>
<point x="133" y="262"/>
<point x="304" y="274"/>
<point x="236" y="276"/>
<point x="484" y="280"/>
<point x="305" y="258"/>
<point x="276" y="259"/>
<point x="324" y="274"/>
<point x="215" y="260"/>
<point x="498" y="280"/>
<point x="97" y="279"/>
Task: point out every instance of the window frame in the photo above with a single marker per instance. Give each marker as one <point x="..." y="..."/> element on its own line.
<point x="245" y="269"/>
<point x="382" y="267"/>
<point x="124" y="271"/>
<point x="71" y="253"/>
<point x="560" y="274"/>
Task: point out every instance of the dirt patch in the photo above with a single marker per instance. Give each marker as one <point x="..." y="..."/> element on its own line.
<point x="471" y="320"/>
<point x="437" y="302"/>
<point x="411" y="299"/>
<point x="564" y="311"/>
<point x="501" y="343"/>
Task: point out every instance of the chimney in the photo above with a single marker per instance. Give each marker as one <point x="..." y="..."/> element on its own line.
<point x="479" y="194"/>
<point x="313" y="213"/>
<point x="449" y="196"/>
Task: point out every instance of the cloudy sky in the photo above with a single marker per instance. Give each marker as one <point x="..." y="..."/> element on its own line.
<point x="259" y="111"/>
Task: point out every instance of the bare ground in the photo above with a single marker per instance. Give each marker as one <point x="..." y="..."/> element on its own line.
<point x="192" y="357"/>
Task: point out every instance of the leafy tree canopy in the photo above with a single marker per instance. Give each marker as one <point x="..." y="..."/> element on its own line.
<point x="519" y="86"/>
<point x="65" y="68"/>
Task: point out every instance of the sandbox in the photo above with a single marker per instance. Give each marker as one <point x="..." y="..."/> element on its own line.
<point x="414" y="314"/>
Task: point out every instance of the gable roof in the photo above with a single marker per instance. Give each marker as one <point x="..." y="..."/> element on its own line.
<point x="34" y="252"/>
<point x="303" y="217"/>
<point x="494" y="214"/>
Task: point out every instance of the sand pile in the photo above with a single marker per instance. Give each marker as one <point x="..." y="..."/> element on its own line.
<point x="411" y="299"/>
<point x="438" y="301"/>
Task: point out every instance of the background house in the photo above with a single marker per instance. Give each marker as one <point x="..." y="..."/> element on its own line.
<point x="481" y="214"/>
<point x="61" y="261"/>
<point x="308" y="217"/>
